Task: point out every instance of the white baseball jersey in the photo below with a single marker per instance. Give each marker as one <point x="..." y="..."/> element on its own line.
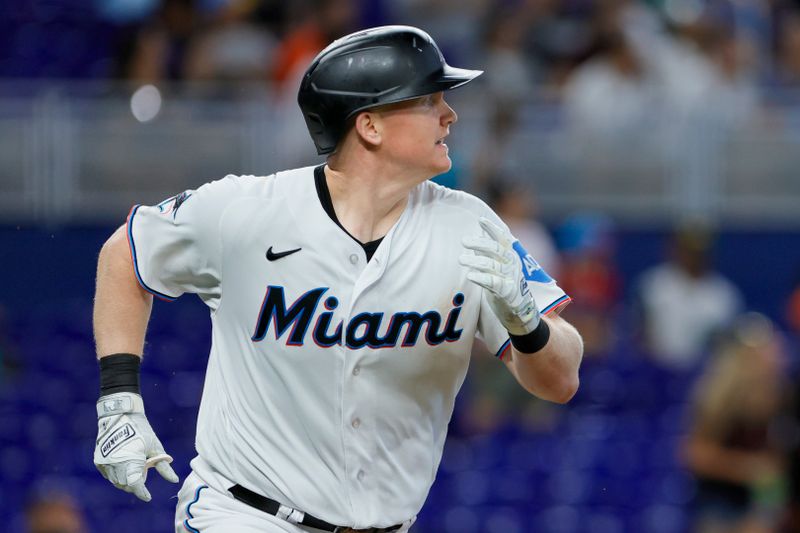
<point x="331" y="380"/>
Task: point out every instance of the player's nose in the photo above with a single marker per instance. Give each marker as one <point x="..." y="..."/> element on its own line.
<point x="449" y="116"/>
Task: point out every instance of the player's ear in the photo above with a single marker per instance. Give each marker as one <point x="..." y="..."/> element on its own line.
<point x="368" y="127"/>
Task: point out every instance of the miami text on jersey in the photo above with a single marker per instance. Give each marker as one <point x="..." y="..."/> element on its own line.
<point x="363" y="330"/>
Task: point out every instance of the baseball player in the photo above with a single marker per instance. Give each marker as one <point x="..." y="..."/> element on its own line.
<point x="344" y="301"/>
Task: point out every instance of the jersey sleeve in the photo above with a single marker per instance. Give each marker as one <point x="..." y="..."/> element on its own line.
<point x="548" y="295"/>
<point x="176" y="245"/>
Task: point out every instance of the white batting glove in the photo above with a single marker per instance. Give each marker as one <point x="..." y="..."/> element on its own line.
<point x="496" y="267"/>
<point x="126" y="446"/>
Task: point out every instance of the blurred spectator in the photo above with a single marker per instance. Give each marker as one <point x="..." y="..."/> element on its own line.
<point x="710" y="95"/>
<point x="792" y="317"/>
<point x="496" y="154"/>
<point x="733" y="447"/>
<point x="507" y="76"/>
<point x="54" y="513"/>
<point x="455" y="23"/>
<point x="792" y="518"/>
<point x="517" y="207"/>
<point x="682" y="302"/>
<point x="787" y="60"/>
<point x="724" y="91"/>
<point x="126" y="20"/>
<point x="611" y="98"/>
<point x="722" y="83"/>
<point x="323" y="22"/>
<point x="755" y="24"/>
<point x="793" y="310"/>
<point x="612" y="108"/>
<point x="589" y="275"/>
<point x="234" y="47"/>
<point x="702" y="67"/>
<point x="162" y="47"/>
<point x="652" y="102"/>
<point x="508" y="82"/>
<point x="560" y="35"/>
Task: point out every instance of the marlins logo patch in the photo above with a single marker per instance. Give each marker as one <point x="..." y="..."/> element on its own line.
<point x="123" y="434"/>
<point x="171" y="205"/>
<point x="530" y="268"/>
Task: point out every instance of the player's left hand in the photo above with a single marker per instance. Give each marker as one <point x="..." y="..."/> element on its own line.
<point x="496" y="267"/>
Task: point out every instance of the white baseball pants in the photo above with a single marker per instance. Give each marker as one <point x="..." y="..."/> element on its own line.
<point x="204" y="509"/>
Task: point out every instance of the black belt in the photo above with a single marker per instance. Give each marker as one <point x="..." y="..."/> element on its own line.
<point x="272" y="507"/>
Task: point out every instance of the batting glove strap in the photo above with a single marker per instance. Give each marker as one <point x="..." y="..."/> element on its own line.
<point x="119" y="403"/>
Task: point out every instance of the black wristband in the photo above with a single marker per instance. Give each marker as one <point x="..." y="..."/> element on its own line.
<point x="533" y="341"/>
<point x="119" y="373"/>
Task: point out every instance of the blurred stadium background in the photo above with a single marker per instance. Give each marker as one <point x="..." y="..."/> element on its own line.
<point x="645" y="152"/>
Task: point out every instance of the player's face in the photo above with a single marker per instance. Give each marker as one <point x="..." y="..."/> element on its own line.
<point x="414" y="133"/>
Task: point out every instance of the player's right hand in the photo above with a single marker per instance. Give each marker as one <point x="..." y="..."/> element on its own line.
<point x="494" y="265"/>
<point x="126" y="446"/>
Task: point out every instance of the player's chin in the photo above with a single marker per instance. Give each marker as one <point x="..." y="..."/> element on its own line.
<point x="442" y="163"/>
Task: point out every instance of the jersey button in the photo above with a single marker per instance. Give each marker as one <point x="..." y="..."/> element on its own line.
<point x="353" y="258"/>
<point x="361" y="475"/>
<point x="356" y="370"/>
<point x="356" y="423"/>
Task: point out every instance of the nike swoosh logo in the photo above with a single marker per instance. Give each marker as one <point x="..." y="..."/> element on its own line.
<point x="274" y="256"/>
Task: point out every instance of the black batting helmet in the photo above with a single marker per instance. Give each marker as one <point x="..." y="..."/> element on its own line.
<point x="370" y="68"/>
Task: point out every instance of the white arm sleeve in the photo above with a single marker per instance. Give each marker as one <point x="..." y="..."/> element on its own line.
<point x="176" y="245"/>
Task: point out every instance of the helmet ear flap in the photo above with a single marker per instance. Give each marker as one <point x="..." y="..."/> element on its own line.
<point x="315" y="123"/>
<point x="320" y="133"/>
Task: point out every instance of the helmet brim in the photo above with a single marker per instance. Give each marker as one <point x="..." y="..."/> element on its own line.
<point x="453" y="77"/>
